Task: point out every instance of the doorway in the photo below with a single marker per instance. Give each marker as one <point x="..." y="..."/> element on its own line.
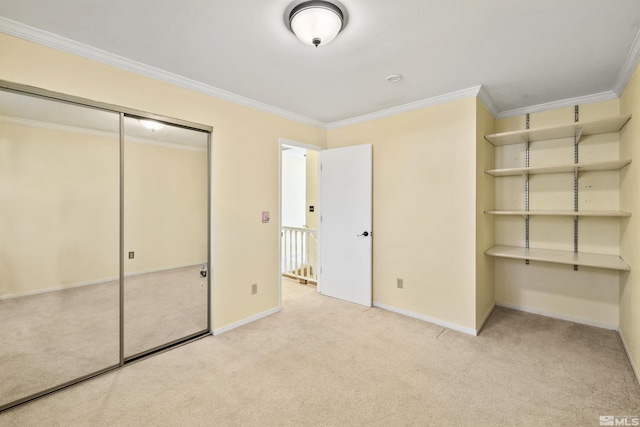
<point x="299" y="207"/>
<point x="341" y="210"/>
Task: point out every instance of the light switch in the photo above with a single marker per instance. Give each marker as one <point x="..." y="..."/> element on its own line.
<point x="265" y="216"/>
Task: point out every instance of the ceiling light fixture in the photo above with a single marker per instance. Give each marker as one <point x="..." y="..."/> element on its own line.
<point x="152" y="125"/>
<point x="394" y="78"/>
<point x="316" y="22"/>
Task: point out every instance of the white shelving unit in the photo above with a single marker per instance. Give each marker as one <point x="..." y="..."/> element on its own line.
<point x="573" y="167"/>
<point x="608" y="125"/>
<point x="562" y="213"/>
<point x="612" y="262"/>
<point x="576" y="131"/>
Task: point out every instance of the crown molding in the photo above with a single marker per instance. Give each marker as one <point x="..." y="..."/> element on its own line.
<point x="26" y="32"/>
<point x="45" y="38"/>
<point x="630" y="65"/>
<point x="411" y="106"/>
<point x="487" y="101"/>
<point x="563" y="103"/>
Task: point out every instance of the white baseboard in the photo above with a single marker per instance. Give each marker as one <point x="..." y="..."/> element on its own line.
<point x="246" y="321"/>
<point x="427" y="319"/>
<point x="575" y="319"/>
<point x="93" y="282"/>
<point x="485" y="318"/>
<point x="626" y="350"/>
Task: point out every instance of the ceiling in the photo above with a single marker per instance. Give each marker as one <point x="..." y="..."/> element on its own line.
<point x="523" y="53"/>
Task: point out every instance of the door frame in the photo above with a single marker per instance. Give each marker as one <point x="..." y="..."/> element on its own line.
<point x="281" y="142"/>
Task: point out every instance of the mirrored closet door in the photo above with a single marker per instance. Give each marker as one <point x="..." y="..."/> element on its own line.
<point x="59" y="250"/>
<point x="165" y="234"/>
<point x="104" y="238"/>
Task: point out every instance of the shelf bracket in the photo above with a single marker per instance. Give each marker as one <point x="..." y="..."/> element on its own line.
<point x="577" y="171"/>
<point x="576" y="160"/>
<point x="526" y="188"/>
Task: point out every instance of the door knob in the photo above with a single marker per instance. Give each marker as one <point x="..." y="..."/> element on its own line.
<point x="365" y="234"/>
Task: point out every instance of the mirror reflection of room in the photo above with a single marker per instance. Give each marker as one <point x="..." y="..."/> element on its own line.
<point x="165" y="234"/>
<point x="60" y="224"/>
<point x="59" y="228"/>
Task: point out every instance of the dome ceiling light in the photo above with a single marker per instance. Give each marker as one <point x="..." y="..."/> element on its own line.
<point x="316" y="22"/>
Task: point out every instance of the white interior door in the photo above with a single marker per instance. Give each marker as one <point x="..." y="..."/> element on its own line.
<point x="345" y="223"/>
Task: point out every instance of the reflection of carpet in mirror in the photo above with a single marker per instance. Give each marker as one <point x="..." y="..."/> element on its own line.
<point x="54" y="337"/>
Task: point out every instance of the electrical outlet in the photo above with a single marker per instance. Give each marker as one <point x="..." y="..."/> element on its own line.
<point x="400" y="283"/>
<point x="131" y="255"/>
<point x="254" y="289"/>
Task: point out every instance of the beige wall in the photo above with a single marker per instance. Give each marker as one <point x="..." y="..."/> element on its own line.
<point x="630" y="230"/>
<point x="588" y="295"/>
<point x="429" y="190"/>
<point x="485" y="230"/>
<point x="245" y="154"/>
<point x="424" y="169"/>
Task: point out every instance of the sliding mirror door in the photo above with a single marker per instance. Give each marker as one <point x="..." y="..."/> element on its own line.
<point x="165" y="235"/>
<point x="104" y="238"/>
<point x="59" y="244"/>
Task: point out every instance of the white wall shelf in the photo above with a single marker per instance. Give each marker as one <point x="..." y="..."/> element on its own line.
<point x="611" y="124"/>
<point x="566" y="168"/>
<point x="561" y="213"/>
<point x="612" y="262"/>
<point x="575" y="131"/>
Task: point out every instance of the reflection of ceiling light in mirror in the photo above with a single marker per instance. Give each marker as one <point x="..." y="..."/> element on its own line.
<point x="151" y="124"/>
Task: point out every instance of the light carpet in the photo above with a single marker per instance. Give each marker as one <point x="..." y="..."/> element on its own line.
<point x="325" y="362"/>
